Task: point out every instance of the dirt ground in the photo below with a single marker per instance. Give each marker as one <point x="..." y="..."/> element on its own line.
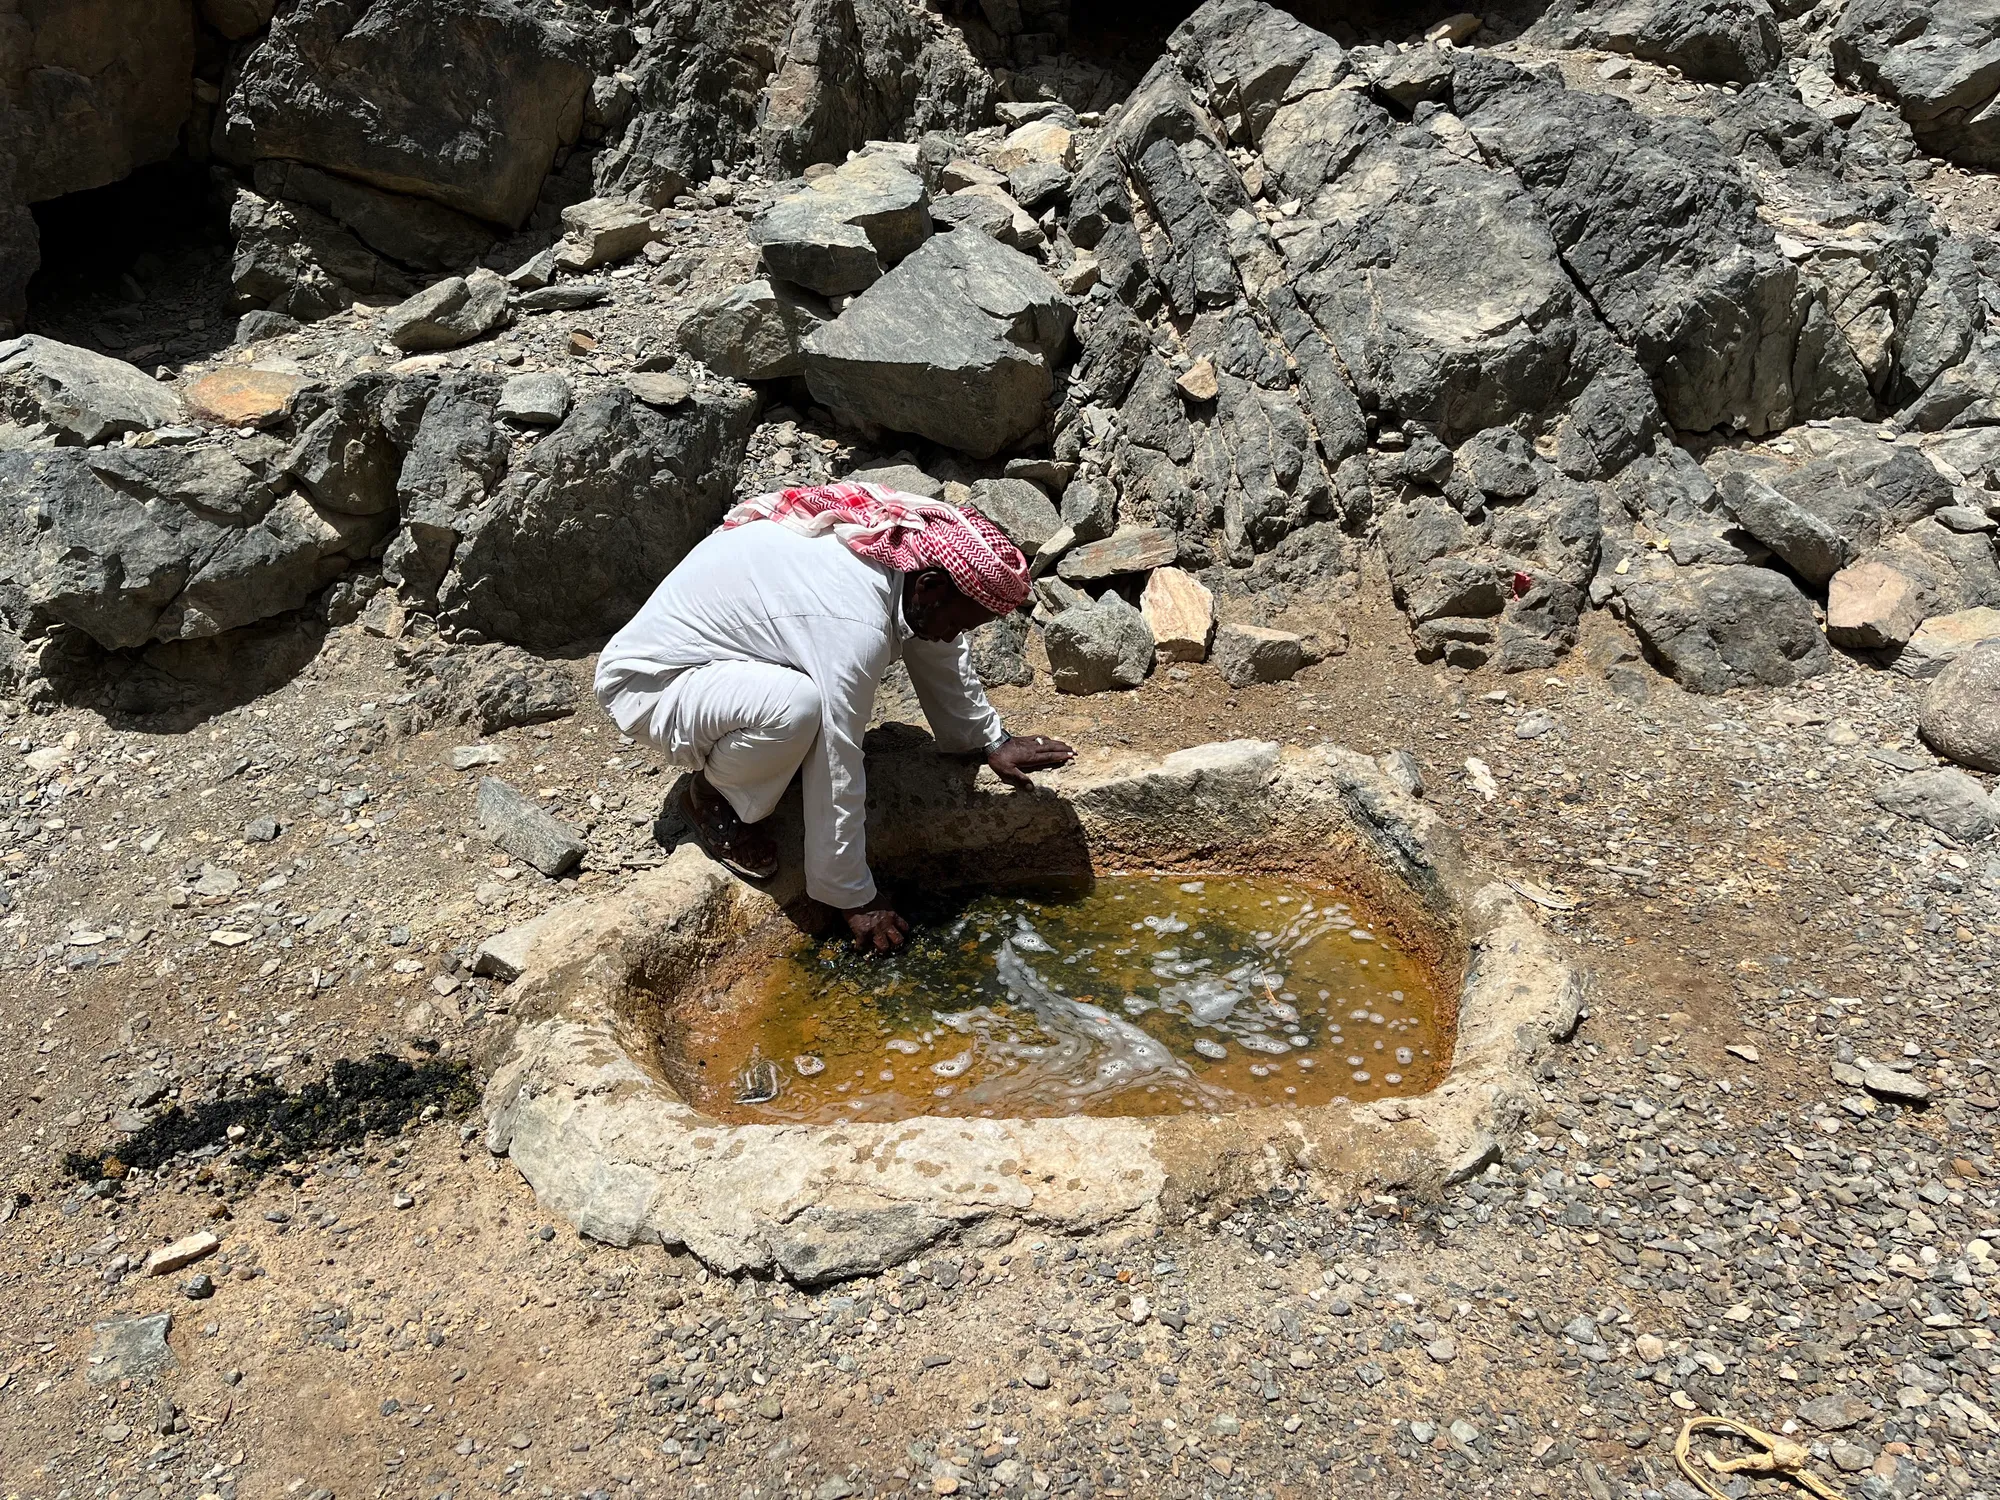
<point x="391" y="1315"/>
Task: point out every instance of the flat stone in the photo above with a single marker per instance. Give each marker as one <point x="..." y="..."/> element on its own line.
<point x="1949" y="801"/>
<point x="130" y="1349"/>
<point x="525" y="829"/>
<point x="658" y="388"/>
<point x="1046" y="141"/>
<point x="1136" y="549"/>
<point x="1870" y="606"/>
<point x="240" y="396"/>
<point x="1180" y="611"/>
<point x="961" y="172"/>
<point x="182" y="1253"/>
<point x="1887" y="1083"/>
<point x="1019" y="509"/>
<point x="994" y="212"/>
<point x="504" y="956"/>
<point x="86" y="397"/>
<point x="465" y="757"/>
<point x="1942" y="637"/>
<point x="567" y="296"/>
<point x="907" y="478"/>
<point x="599" y="231"/>
<point x="1835" y="1413"/>
<point x="539" y="399"/>
<point x="1960" y="718"/>
<point x="1198" y="382"/>
<point x="1089" y="509"/>
<point x="1252" y="653"/>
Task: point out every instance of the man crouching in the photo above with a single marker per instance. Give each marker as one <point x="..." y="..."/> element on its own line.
<point x="760" y="655"/>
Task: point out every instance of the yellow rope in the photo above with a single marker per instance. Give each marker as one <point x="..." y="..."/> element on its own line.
<point x="1781" y="1458"/>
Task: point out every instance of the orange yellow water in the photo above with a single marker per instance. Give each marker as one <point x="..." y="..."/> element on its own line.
<point x="1144" y="994"/>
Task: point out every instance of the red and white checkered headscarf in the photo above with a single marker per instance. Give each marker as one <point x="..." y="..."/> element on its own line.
<point x="905" y="532"/>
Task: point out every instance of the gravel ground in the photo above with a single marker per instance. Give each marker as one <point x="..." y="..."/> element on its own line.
<point x="1705" y="1218"/>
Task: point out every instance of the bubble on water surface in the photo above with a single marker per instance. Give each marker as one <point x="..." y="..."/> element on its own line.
<point x="1210" y="1049"/>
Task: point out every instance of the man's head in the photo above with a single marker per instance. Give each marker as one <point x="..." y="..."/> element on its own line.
<point x="935" y="608"/>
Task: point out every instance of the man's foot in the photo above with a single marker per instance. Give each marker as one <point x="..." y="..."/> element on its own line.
<point x="745" y="849"/>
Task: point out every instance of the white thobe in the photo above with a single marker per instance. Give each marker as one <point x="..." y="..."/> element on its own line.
<point x="763" y="595"/>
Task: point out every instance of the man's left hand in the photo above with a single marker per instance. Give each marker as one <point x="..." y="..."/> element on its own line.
<point x="1013" y="758"/>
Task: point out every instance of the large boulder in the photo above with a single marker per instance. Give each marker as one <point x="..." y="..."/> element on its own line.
<point x="754" y="331"/>
<point x="85" y="396"/>
<point x="100" y="88"/>
<point x="1939" y="60"/>
<point x="464" y="102"/>
<point x="1716" y="41"/>
<point x="842" y="230"/>
<point x="1713" y="628"/>
<point x="954" y="344"/>
<point x="133" y="545"/>
<point x="582" y="530"/>
<point x="1097" y="646"/>
<point x="1961" y="710"/>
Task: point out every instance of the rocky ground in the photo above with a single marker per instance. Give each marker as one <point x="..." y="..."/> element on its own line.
<point x="1711" y="1214"/>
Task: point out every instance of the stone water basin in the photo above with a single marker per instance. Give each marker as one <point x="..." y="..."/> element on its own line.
<point x="640" y="1090"/>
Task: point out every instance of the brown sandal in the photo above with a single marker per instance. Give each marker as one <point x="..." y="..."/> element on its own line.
<point x="722" y="837"/>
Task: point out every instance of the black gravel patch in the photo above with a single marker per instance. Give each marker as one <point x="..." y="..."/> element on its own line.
<point x="358" y="1098"/>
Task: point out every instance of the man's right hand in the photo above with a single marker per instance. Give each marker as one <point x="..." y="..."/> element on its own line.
<point x="877" y="927"/>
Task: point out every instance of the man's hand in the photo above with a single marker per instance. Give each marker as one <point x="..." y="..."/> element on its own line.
<point x="876" y="927"/>
<point x="1019" y="754"/>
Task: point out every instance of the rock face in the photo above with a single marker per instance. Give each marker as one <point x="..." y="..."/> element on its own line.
<point x="1938" y="60"/>
<point x="1961" y="710"/>
<point x="88" y="93"/>
<point x="86" y="397"/>
<point x="955" y="344"/>
<point x="463" y="102"/>
<point x="1717" y="41"/>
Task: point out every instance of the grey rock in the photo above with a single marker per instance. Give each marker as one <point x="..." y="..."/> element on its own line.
<point x="496" y="687"/>
<point x="413" y="231"/>
<point x="1000" y="652"/>
<point x="1099" y="646"/>
<point x="1836" y="1413"/>
<point x="456" y="311"/>
<point x="1938" y="61"/>
<point x="466" y="757"/>
<point x="1949" y="801"/>
<point x="131" y="545"/>
<point x="540" y="399"/>
<point x="955" y="344"/>
<point x="567" y="296"/>
<point x="1684" y="271"/>
<point x="1246" y="654"/>
<point x="1403" y="768"/>
<point x="1716" y="41"/>
<point x="263" y="829"/>
<point x="600" y="231"/>
<point x="1960" y="718"/>
<point x="86" y="397"/>
<point x="1019" y="509"/>
<point x="1718" y="627"/>
<point x="294" y="261"/>
<point x="449" y="469"/>
<point x="526" y="830"/>
<point x="464" y="102"/>
<point x="131" y="1349"/>
<point x="754" y="331"/>
<point x="1134" y="549"/>
<point x="1886" y="1083"/>
<point x="1089" y="509"/>
<point x="256" y="326"/>
<point x="906" y="477"/>
<point x="841" y="231"/>
<point x="1809" y="546"/>
<point x="582" y="530"/>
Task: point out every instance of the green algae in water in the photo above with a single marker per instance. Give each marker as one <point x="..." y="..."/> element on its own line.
<point x="1126" y="995"/>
